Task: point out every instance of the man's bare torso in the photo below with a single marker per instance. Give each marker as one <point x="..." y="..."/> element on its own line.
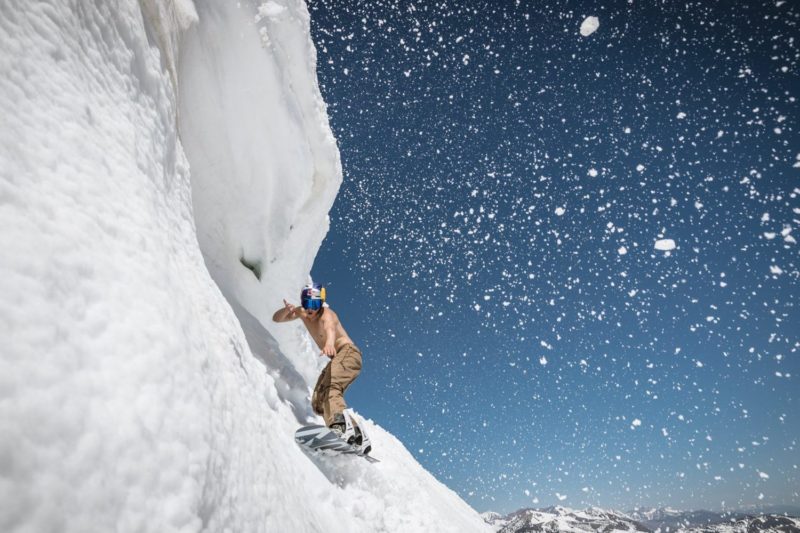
<point x="317" y="324"/>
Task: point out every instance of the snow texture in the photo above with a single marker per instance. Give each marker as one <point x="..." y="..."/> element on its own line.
<point x="166" y="169"/>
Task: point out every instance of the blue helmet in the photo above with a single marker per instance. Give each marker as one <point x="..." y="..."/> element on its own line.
<point x="312" y="297"/>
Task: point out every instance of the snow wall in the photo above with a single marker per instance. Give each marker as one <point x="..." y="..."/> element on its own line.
<point x="166" y="168"/>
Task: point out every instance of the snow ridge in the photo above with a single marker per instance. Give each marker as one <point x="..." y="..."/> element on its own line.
<point x="166" y="169"/>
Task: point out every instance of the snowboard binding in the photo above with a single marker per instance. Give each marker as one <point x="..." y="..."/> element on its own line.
<point x="355" y="435"/>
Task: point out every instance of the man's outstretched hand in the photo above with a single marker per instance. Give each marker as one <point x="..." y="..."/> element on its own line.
<point x="290" y="308"/>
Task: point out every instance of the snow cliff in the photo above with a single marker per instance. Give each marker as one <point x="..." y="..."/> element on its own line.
<point x="166" y="168"/>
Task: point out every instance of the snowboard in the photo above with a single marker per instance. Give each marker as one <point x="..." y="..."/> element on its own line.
<point x="323" y="439"/>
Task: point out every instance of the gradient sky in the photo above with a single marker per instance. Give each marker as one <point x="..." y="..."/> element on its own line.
<point x="492" y="248"/>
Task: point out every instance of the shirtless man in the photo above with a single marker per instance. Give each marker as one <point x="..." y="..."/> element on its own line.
<point x="327" y="331"/>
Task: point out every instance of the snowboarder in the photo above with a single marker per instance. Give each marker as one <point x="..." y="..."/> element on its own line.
<point x="345" y="365"/>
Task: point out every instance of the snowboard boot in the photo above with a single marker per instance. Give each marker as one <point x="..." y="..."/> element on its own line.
<point x="339" y="424"/>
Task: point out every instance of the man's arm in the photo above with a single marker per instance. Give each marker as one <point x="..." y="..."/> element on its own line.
<point x="329" y="326"/>
<point x="285" y="314"/>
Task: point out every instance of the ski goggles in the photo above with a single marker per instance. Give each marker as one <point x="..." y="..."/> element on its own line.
<point x="311" y="304"/>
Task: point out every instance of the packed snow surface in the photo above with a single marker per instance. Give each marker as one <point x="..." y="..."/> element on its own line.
<point x="166" y="169"/>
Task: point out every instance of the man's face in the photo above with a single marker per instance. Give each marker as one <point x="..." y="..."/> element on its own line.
<point x="309" y="313"/>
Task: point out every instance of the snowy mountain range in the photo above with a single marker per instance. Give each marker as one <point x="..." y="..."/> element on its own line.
<point x="759" y="518"/>
<point x="562" y="519"/>
<point x="565" y="520"/>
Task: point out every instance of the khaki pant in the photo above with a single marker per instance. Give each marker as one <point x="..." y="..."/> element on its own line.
<point x="328" y="397"/>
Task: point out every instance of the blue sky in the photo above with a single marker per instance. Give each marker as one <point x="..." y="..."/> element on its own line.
<point x="492" y="248"/>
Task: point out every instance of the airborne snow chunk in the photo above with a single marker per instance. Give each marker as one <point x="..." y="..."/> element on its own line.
<point x="589" y="26"/>
<point x="665" y="245"/>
